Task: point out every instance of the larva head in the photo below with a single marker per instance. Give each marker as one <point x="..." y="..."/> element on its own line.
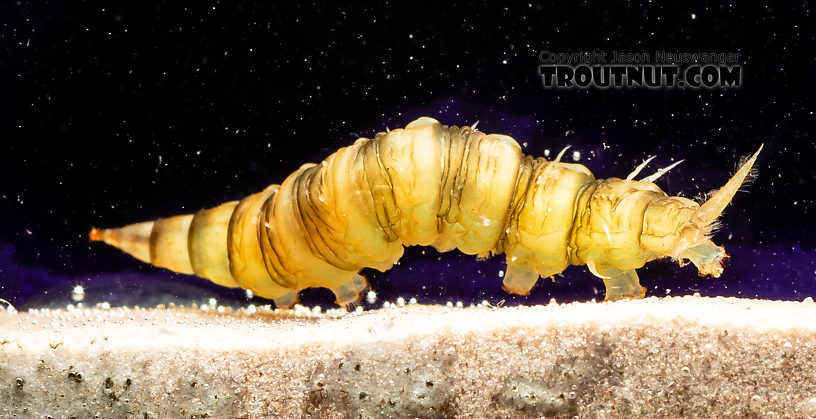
<point x="680" y="228"/>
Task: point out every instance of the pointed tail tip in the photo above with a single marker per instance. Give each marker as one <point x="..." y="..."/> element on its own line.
<point x="711" y="209"/>
<point x="95" y="234"/>
<point x="754" y="156"/>
<point x="748" y="163"/>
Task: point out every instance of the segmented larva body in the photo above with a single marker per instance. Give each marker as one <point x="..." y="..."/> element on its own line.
<point x="430" y="184"/>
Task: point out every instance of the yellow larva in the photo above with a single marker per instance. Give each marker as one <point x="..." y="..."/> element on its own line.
<point x="447" y="187"/>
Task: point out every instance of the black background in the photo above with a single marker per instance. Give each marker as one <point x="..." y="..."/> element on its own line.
<point x="118" y="114"/>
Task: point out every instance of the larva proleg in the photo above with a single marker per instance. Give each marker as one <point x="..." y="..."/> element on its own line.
<point x="434" y="185"/>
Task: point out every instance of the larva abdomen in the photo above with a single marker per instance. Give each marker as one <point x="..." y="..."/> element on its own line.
<point x="430" y="184"/>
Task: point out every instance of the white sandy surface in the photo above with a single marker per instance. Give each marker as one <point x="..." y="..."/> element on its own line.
<point x="688" y="356"/>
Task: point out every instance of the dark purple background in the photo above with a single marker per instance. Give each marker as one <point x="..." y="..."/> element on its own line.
<point x="113" y="115"/>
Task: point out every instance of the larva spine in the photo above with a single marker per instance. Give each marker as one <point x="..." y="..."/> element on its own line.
<point x="430" y="184"/>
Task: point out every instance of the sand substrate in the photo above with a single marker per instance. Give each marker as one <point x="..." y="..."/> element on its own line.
<point x="688" y="356"/>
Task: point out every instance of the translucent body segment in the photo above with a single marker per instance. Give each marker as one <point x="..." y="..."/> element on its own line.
<point x="611" y="224"/>
<point x="316" y="216"/>
<point x="412" y="159"/>
<point x="661" y="220"/>
<point x="207" y="244"/>
<point x="360" y="231"/>
<point x="168" y="244"/>
<point x="134" y="239"/>
<point x="545" y="218"/>
<point x="294" y="245"/>
<point x="487" y="192"/>
<point x="247" y="261"/>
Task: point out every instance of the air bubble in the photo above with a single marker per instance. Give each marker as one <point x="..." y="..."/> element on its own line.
<point x="78" y="293"/>
<point x="371" y="297"/>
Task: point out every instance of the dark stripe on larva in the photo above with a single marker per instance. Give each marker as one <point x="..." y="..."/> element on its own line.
<point x="516" y="204"/>
<point x="272" y="261"/>
<point x="318" y="235"/>
<point x="194" y="262"/>
<point x="154" y="237"/>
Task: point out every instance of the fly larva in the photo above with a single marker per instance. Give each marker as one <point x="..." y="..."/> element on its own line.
<point x="447" y="187"/>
